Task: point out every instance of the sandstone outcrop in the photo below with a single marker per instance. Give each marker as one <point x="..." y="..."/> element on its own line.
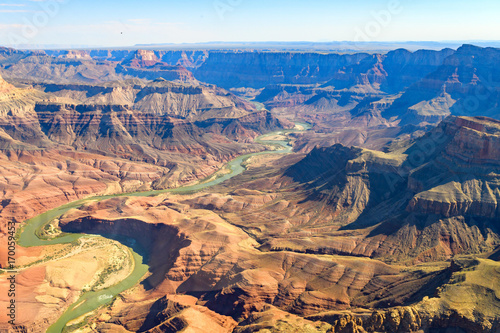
<point x="465" y="171"/>
<point x="160" y="97"/>
<point x="256" y="69"/>
<point x="465" y="80"/>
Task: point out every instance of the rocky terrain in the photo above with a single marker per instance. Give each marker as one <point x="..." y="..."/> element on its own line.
<point x="159" y="97"/>
<point x="80" y="66"/>
<point x="442" y="188"/>
<point x="384" y="218"/>
<point x="382" y="97"/>
<point x="352" y="97"/>
<point x="206" y="257"/>
<point x="342" y="239"/>
<point x="79" y="140"/>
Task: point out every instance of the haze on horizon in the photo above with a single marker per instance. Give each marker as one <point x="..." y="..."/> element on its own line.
<point x="128" y="22"/>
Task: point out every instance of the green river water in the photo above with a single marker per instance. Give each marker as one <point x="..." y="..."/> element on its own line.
<point x="90" y="301"/>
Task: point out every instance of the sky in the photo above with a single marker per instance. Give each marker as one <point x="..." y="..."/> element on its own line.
<point x="115" y="23"/>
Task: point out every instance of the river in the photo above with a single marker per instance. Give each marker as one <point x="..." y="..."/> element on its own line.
<point x="90" y="301"/>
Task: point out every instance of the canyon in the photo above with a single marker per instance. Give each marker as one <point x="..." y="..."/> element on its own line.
<point x="381" y="216"/>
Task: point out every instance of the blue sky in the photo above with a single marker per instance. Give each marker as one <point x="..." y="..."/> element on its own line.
<point x="130" y="22"/>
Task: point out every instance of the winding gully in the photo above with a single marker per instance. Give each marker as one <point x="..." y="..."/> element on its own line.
<point x="90" y="301"/>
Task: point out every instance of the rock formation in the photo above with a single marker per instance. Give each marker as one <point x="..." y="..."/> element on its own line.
<point x="182" y="133"/>
<point x="323" y="238"/>
<point x="385" y="219"/>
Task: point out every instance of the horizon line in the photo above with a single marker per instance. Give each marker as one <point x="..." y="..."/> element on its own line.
<point x="243" y="43"/>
